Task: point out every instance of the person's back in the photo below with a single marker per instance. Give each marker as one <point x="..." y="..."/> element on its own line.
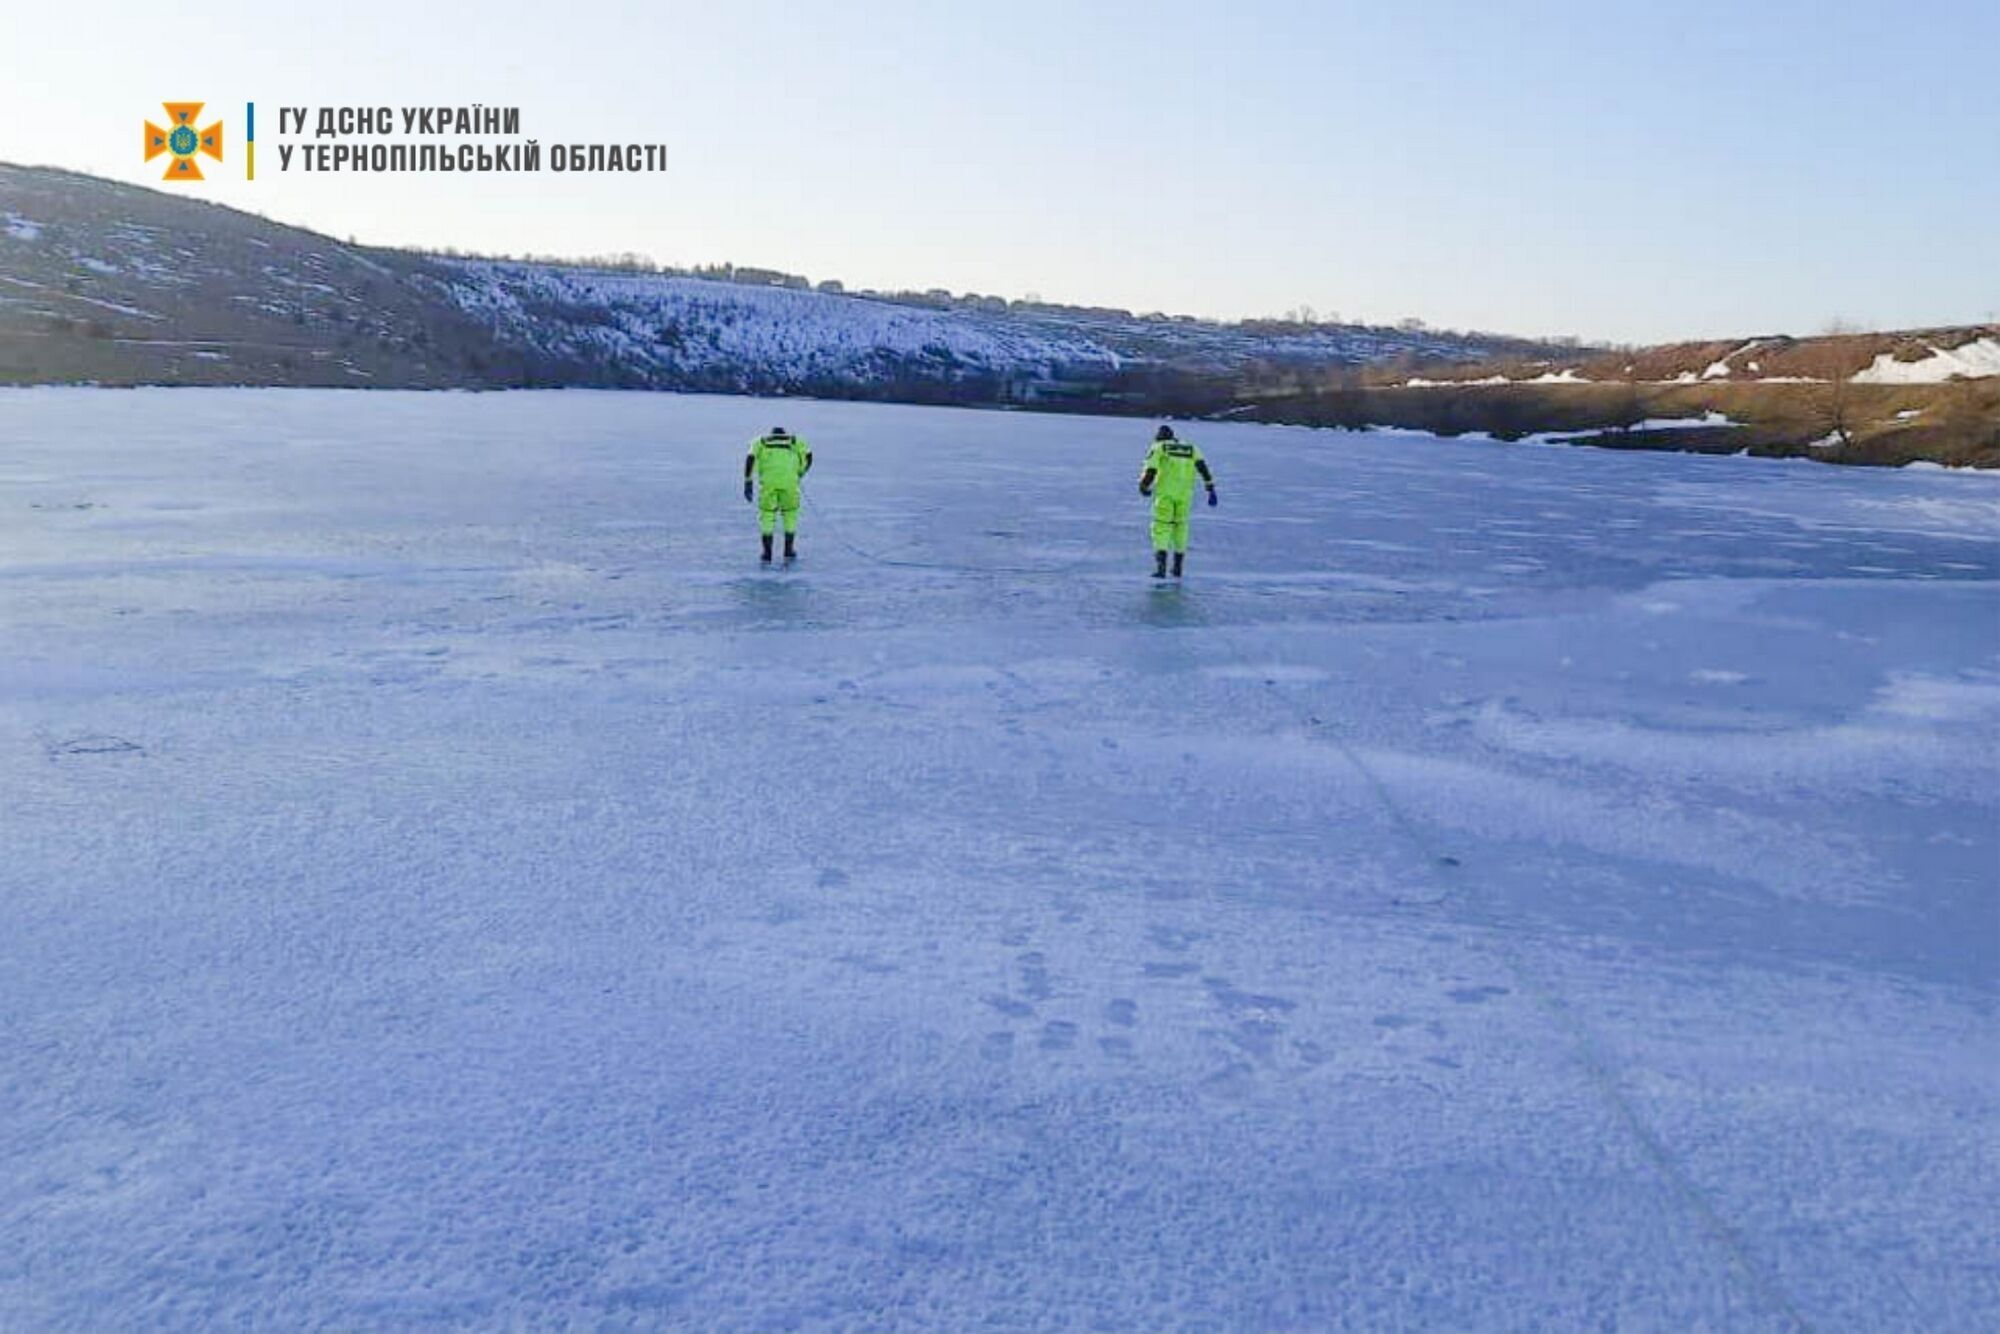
<point x="778" y="460"/>
<point x="1173" y="464"/>
<point x="1171" y="468"/>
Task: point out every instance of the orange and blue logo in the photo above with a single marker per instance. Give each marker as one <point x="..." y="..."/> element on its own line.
<point x="182" y="141"/>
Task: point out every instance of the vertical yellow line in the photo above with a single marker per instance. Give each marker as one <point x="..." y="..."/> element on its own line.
<point x="250" y="160"/>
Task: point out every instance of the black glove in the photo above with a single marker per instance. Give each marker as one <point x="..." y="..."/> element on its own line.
<point x="1211" y="497"/>
<point x="1145" y="490"/>
<point x="749" y="490"/>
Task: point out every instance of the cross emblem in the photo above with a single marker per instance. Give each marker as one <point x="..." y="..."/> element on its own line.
<point x="182" y="141"/>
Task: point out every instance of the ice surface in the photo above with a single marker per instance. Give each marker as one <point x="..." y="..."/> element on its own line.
<point x="447" y="885"/>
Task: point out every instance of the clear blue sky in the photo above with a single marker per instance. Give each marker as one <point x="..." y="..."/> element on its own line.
<point x="1624" y="170"/>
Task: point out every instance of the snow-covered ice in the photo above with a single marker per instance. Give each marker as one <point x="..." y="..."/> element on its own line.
<point x="447" y="885"/>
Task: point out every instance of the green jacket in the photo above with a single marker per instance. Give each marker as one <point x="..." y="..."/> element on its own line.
<point x="1171" y="467"/>
<point x="778" y="459"/>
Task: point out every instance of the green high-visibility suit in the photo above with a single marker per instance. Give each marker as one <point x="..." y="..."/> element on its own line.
<point x="1169" y="477"/>
<point x="777" y="461"/>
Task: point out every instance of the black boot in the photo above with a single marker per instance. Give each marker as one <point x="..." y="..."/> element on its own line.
<point x="767" y="548"/>
<point x="791" y="546"/>
<point x="1180" y="558"/>
<point x="1159" y="564"/>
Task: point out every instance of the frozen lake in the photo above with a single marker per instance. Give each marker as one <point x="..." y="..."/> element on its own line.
<point x="445" y="883"/>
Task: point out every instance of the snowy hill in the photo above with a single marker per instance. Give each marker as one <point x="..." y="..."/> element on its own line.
<point x="689" y="332"/>
<point x="114" y="283"/>
<point x="121" y="284"/>
<point x="666" y="330"/>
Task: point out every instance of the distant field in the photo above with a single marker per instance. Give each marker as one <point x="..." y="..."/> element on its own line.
<point x="1956" y="423"/>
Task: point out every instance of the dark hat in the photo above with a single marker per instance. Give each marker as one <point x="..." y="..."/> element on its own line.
<point x="1164" y="433"/>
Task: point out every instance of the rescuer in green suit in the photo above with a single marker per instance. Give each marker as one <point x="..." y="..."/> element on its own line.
<point x="777" y="461"/>
<point x="1171" y="468"/>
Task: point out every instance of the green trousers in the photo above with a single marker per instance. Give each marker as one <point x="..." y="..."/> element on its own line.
<point x="1170" y="522"/>
<point x="773" y="501"/>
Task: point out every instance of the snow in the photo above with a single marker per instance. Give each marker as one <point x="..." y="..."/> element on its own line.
<point x="798" y="334"/>
<point x="447" y="885"/>
<point x="1721" y="369"/>
<point x="1710" y="418"/>
<point x="1567" y="375"/>
<point x="1707" y="420"/>
<point x="1974" y="360"/>
<point x="20" y="228"/>
<point x="118" y="306"/>
<point x="686" y="332"/>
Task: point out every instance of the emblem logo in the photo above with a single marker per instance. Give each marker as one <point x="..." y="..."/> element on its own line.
<point x="182" y="141"/>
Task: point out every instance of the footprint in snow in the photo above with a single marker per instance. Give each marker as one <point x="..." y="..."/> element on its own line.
<point x="1057" y="1035"/>
<point x="1234" y="1080"/>
<point x="1172" y="938"/>
<point x="1035" y="976"/>
<point x="1257" y="1038"/>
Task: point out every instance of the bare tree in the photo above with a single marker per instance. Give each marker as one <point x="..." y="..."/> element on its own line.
<point x="1838" y="399"/>
<point x="1629" y="411"/>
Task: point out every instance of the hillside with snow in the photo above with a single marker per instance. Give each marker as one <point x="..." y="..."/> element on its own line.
<point x="116" y="284"/>
<point x="1920" y="356"/>
<point x="663" y="330"/>
<point x="119" y="284"/>
<point x="660" y="331"/>
<point x="1930" y="395"/>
